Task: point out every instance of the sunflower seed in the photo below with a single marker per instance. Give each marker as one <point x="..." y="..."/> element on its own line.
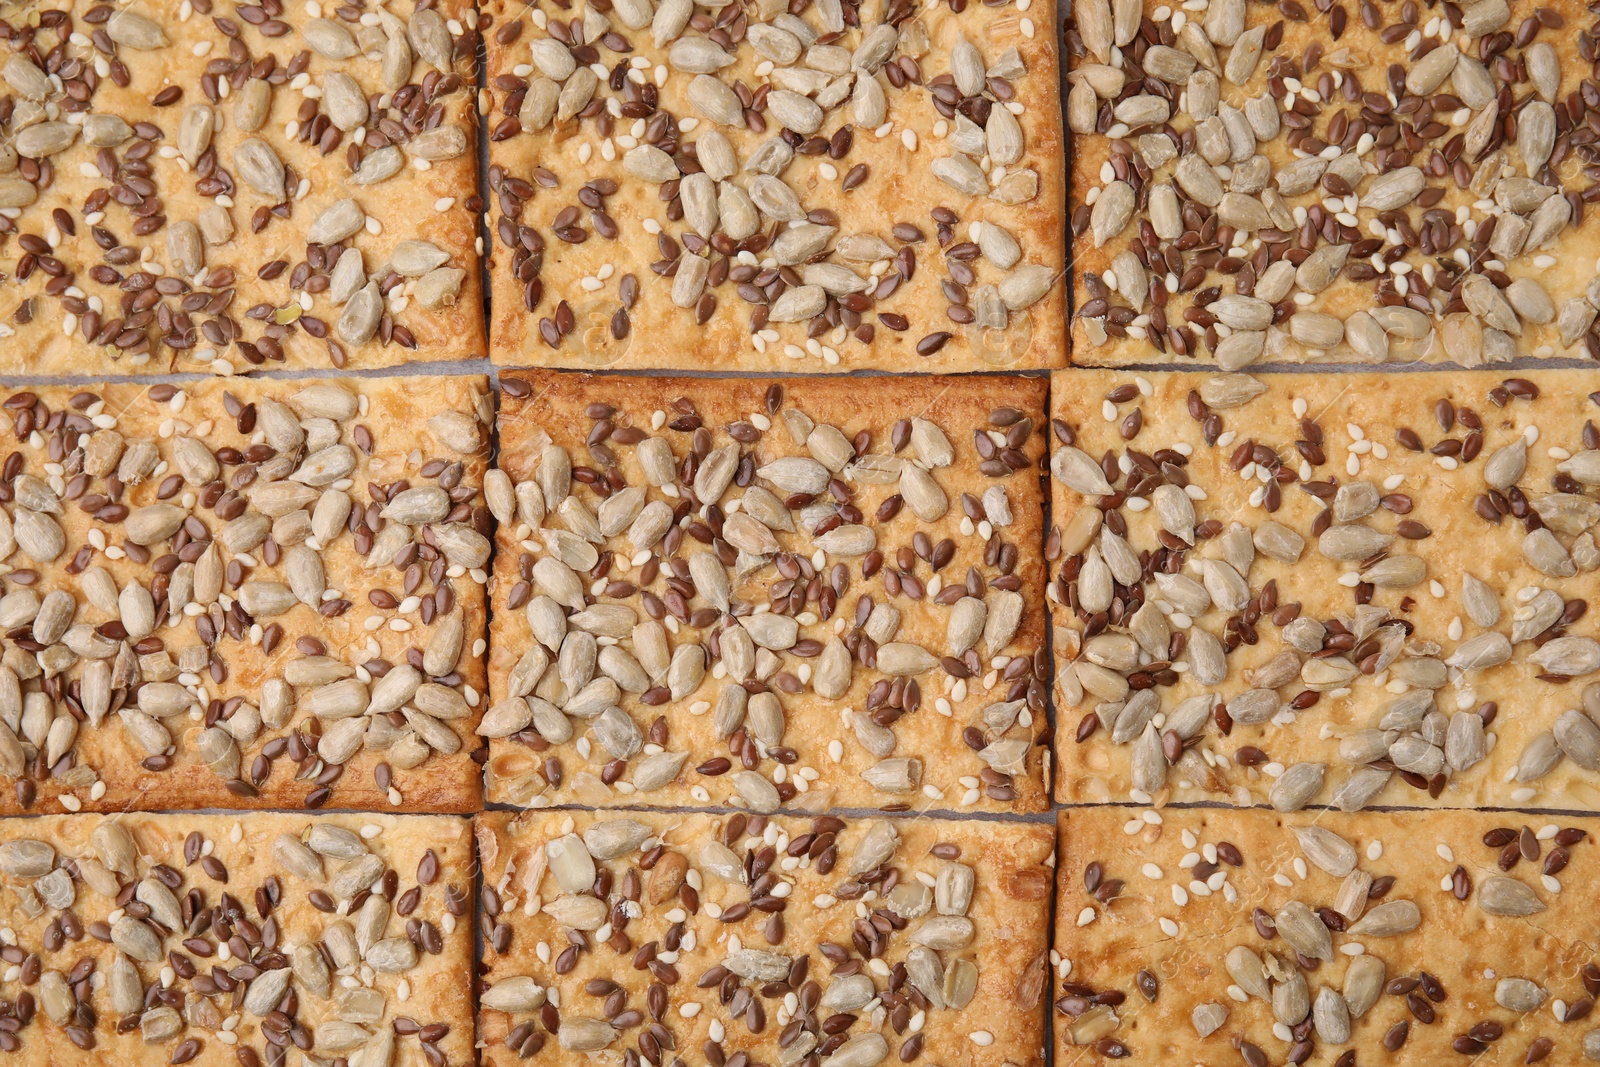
<point x="1465" y="742"/>
<point x="1569" y="656"/>
<point x="862" y="1050"/>
<point x="27" y="858"/>
<point x="1148" y="763"/>
<point x="1004" y="137"/>
<point x="133" y="30"/>
<point x="1477" y="653"/>
<point x="1224" y="391"/>
<point x="922" y="494"/>
<point x="1295" y="788"/>
<point x="329" y="39"/>
<point x="514" y="995"/>
<point x="26" y="78"/>
<point x="1519" y="994"/>
<point x="1347" y="543"/>
<point x="1388" y="919"/>
<point x="1505" y="896"/>
<point x="441" y="142"/>
<point x="1536" y="133"/>
<point x="294" y="856"/>
<point x="1326" y="850"/>
<point x="1074" y="469"/>
<point x="1329" y="1012"/>
<point x="944" y="933"/>
<point x="1245" y="968"/>
<point x="579" y="912"/>
<point x="570" y="863"/>
<point x="1111" y="212"/>
<point x="136" y="939"/>
<point x="584" y="1035"/>
<point x="1026" y="285"/>
<point x="260" y="168"/>
<point x="903" y="659"/>
<point x="1360" y="788"/>
<point x="1579" y="738"/>
<point x="1291" y="1000"/>
<point x="266" y="990"/>
<point x="1303" y="931"/>
<point x="40" y="537"/>
<point x="1546" y="554"/>
<point x="894" y="775"/>
<point x="17" y="192"/>
<point x="1538" y="758"/>
<point x="430" y="36"/>
<point x="127" y="989"/>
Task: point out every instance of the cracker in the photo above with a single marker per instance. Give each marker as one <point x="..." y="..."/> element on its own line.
<point x="174" y="231"/>
<point x="631" y="700"/>
<point x="194" y="620"/>
<point x="237" y="939"/>
<point x="1419" y="580"/>
<point x="1432" y="229"/>
<point x="887" y="272"/>
<point x="1165" y="931"/>
<point x="751" y="937"/>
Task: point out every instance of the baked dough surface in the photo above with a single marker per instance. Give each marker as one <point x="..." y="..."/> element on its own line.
<point x="1172" y="906"/>
<point x="187" y="225"/>
<point x="203" y="596"/>
<point x="865" y="297"/>
<point x="1244" y="190"/>
<point x="658" y="664"/>
<point x="395" y="954"/>
<point x="684" y="912"/>
<point x="1440" y="581"/>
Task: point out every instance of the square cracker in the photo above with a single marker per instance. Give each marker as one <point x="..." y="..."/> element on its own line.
<point x="1422" y="163"/>
<point x="216" y="595"/>
<point x="151" y="241"/>
<point x="932" y="951"/>
<point x="257" y="901"/>
<point x="567" y="295"/>
<point x="610" y="670"/>
<point x="1318" y="703"/>
<point x="1136" y="957"/>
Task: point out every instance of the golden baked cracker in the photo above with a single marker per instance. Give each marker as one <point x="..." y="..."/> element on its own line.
<point x="784" y="940"/>
<point x="650" y="209"/>
<point x="181" y="179"/>
<point x="786" y="534"/>
<point x="1224" y="936"/>
<point x="1351" y="182"/>
<point x="244" y="594"/>
<point x="1355" y="597"/>
<point x="224" y="939"/>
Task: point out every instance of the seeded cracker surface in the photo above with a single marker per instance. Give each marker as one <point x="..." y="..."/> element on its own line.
<point x="1376" y="630"/>
<point x="234" y="939"/>
<point x="1336" y="938"/>
<point x="617" y="659"/>
<point x="1362" y="181"/>
<point x="763" y="187"/>
<point x="190" y="620"/>
<point x="783" y="940"/>
<point x="210" y="185"/>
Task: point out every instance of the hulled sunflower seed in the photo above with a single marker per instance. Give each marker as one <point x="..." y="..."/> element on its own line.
<point x="1296" y="787"/>
<point x="1505" y="896"/>
<point x="1326" y="850"/>
<point x="1519" y="994"/>
<point x="1388" y="919"/>
<point x="514" y="995"/>
<point x="1303" y="931"/>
